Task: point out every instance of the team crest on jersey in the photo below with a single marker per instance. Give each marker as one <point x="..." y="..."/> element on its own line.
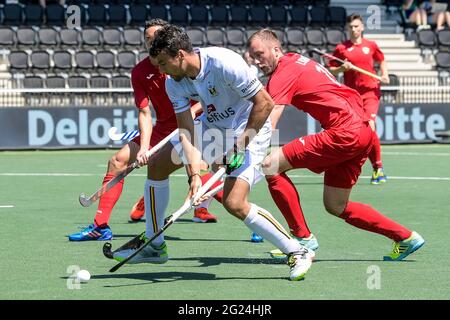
<point x="211" y="108"/>
<point x="365" y="50"/>
<point x="212" y="90"/>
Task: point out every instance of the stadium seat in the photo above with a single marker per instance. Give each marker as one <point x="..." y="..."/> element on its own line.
<point x="112" y="37"/>
<point x="77" y="81"/>
<point x="62" y="60"/>
<point x="249" y="31"/>
<point x="179" y="15"/>
<point x="236" y="38"/>
<point x="318" y="17"/>
<point x="47" y="37"/>
<point x="133" y="37"/>
<point x="426" y="39"/>
<point x="117" y="15"/>
<point x="55" y="82"/>
<point x="443" y="60"/>
<point x="97" y="15"/>
<point x="389" y="96"/>
<point x="216" y="36"/>
<point x="121" y="81"/>
<point x="278" y="16"/>
<point x="99" y="82"/>
<point x="281" y="35"/>
<point x="7" y="37"/>
<point x="337" y="17"/>
<point x="40" y="60"/>
<point x="106" y="60"/>
<point x="199" y="15"/>
<point x="69" y="37"/>
<point x="238" y="16"/>
<point x="33" y="82"/>
<point x="126" y="60"/>
<point x="258" y="16"/>
<point x="18" y="60"/>
<point x="12" y="15"/>
<point x="142" y="55"/>
<point x="26" y="37"/>
<point x="197" y="36"/>
<point x="55" y="15"/>
<point x="295" y="38"/>
<point x="443" y="37"/>
<point x="298" y="16"/>
<point x="91" y="36"/>
<point x="34" y="15"/>
<point x="299" y="3"/>
<point x="138" y="14"/>
<point x="159" y="11"/>
<point x="334" y="36"/>
<point x="315" y="38"/>
<point x="219" y="16"/>
<point x="84" y="60"/>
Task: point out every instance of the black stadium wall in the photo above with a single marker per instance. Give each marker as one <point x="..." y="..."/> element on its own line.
<point x="73" y="128"/>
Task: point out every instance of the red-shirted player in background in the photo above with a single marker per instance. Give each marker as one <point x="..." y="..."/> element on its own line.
<point x="363" y="53"/>
<point x="339" y="151"/>
<point x="148" y="86"/>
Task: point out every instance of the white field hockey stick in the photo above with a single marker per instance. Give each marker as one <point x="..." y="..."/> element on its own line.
<point x="129" y="135"/>
<point x="107" y="247"/>
<point x="353" y="67"/>
<point x="86" y="202"/>
<point x="185" y="208"/>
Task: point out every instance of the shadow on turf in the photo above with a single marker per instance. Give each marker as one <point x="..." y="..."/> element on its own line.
<point x="161" y="277"/>
<point x="170" y="238"/>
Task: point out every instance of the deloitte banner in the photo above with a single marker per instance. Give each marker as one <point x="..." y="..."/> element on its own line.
<point x="54" y="128"/>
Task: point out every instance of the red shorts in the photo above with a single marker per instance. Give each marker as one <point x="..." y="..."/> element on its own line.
<point x="157" y="135"/>
<point x="340" y="153"/>
<point x="371" y="104"/>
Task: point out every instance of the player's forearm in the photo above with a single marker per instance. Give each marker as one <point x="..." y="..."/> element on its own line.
<point x="336" y="70"/>
<point x="262" y="107"/>
<point x="195" y="109"/>
<point x="276" y="115"/>
<point x="145" y="127"/>
<point x="192" y="154"/>
<point x="383" y="69"/>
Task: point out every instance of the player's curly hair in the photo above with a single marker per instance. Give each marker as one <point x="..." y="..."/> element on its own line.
<point x="155" y="22"/>
<point x="170" y="39"/>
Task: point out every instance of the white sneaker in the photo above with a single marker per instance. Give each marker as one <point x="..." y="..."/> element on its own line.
<point x="150" y="254"/>
<point x="300" y="262"/>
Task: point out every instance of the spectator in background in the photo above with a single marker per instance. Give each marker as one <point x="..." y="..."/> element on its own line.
<point x="415" y="12"/>
<point x="439" y="14"/>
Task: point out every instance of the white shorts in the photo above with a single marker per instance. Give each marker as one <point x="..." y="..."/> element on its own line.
<point x="213" y="145"/>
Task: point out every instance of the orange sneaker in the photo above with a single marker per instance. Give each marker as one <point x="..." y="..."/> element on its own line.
<point x="201" y="215"/>
<point x="138" y="211"/>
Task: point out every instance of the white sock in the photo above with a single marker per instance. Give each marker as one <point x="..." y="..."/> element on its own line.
<point x="156" y="196"/>
<point x="205" y="204"/>
<point x="264" y="224"/>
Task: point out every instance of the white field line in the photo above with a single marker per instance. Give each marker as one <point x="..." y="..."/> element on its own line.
<point x="7" y="206"/>
<point x="432" y="154"/>
<point x="184" y="176"/>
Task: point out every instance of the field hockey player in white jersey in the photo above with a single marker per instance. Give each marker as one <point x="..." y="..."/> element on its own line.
<point x="236" y="110"/>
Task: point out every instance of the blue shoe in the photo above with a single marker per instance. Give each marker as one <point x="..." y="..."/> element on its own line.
<point x="256" y="238"/>
<point x="91" y="232"/>
<point x="404" y="248"/>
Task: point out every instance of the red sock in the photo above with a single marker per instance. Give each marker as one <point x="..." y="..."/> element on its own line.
<point x="287" y="200"/>
<point x="375" y="153"/>
<point x="219" y="195"/>
<point x="107" y="201"/>
<point x="365" y="217"/>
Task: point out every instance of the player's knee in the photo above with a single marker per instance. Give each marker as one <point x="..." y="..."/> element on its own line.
<point x="234" y="206"/>
<point x="267" y="167"/>
<point x="116" y="163"/>
<point x="334" y="208"/>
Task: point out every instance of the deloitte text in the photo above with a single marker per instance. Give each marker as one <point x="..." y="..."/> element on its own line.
<point x="79" y="128"/>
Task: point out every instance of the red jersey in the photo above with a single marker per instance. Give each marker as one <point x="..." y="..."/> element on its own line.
<point x="361" y="55"/>
<point x="309" y="86"/>
<point x="150" y="84"/>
